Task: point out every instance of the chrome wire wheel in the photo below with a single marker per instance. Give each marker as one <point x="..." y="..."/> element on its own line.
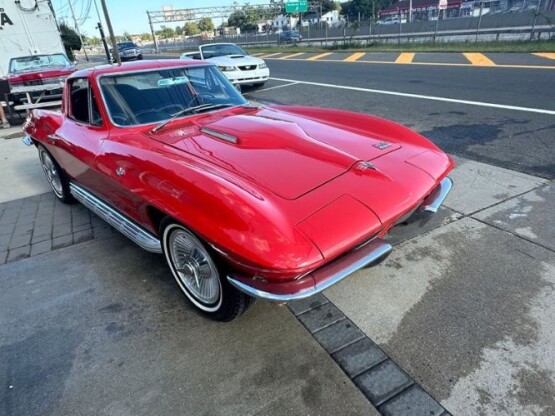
<point x="193" y="268"/>
<point x="51" y="172"/>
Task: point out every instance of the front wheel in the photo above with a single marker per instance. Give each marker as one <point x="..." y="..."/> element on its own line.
<point x="259" y="84"/>
<point x="55" y="176"/>
<point x="200" y="275"/>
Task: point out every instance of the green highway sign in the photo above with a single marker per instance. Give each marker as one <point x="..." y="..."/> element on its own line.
<point x="299" y="6"/>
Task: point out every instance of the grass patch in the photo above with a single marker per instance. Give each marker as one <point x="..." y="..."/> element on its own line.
<point x="358" y="46"/>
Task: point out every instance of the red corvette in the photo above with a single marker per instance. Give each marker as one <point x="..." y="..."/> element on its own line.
<point x="244" y="201"/>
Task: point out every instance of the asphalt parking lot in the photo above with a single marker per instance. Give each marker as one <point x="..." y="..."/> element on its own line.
<point x="463" y="310"/>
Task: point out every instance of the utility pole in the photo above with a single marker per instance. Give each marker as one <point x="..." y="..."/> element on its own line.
<point x="410" y="11"/>
<point x="111" y="32"/>
<point x="77" y="29"/>
<point x="102" y="36"/>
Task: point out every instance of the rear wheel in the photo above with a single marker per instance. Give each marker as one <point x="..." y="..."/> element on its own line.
<point x="55" y="176"/>
<point x="200" y="275"/>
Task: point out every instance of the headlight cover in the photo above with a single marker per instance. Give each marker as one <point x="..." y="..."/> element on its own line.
<point x="226" y="68"/>
<point x="262" y="65"/>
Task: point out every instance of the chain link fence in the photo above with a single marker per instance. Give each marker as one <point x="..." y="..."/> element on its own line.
<point x="513" y="26"/>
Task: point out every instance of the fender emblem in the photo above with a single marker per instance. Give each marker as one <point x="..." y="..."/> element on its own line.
<point x="382" y="145"/>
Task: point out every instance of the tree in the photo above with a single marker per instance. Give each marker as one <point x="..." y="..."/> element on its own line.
<point x="245" y="19"/>
<point x="126" y="36"/>
<point x="70" y="39"/>
<point x="327" y="5"/>
<point x="146" y="36"/>
<point x="93" y="40"/>
<point x="165" y="32"/>
<point x="191" y="29"/>
<point x="178" y="31"/>
<point x="368" y="9"/>
<point x="206" y="25"/>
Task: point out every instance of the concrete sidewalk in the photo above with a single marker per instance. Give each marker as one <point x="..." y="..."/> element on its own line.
<point x="467" y="309"/>
<point x="464" y="307"/>
<point x="100" y="327"/>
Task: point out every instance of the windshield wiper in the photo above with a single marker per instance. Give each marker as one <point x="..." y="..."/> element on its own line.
<point x="195" y="109"/>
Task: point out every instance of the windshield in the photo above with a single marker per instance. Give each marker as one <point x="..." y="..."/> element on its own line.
<point x="156" y="95"/>
<point x="126" y="45"/>
<point x="31" y="63"/>
<point x="211" y="51"/>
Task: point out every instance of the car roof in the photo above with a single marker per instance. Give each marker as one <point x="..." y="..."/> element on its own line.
<point x="136" y="66"/>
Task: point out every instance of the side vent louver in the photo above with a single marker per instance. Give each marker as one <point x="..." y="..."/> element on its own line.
<point x="219" y="135"/>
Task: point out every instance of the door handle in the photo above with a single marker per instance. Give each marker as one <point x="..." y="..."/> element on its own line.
<point x="53" y="137"/>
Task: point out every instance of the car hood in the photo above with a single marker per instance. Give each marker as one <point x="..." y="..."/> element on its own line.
<point x="235" y="60"/>
<point x="43" y="73"/>
<point x="286" y="154"/>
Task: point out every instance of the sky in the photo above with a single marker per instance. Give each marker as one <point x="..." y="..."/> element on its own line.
<point x="128" y="16"/>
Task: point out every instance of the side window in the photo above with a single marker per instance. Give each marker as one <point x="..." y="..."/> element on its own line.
<point x="79" y="100"/>
<point x="80" y="95"/>
<point x="96" y="119"/>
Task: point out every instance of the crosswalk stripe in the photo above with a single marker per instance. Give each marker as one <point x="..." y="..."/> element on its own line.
<point x="354" y="57"/>
<point x="315" y="57"/>
<point x="292" y="55"/>
<point x="405" y="58"/>
<point x="547" y="55"/>
<point x="478" y="59"/>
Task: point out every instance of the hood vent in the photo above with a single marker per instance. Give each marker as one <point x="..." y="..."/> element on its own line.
<point x="223" y="136"/>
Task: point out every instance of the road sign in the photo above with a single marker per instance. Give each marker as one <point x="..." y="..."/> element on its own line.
<point x="442" y="5"/>
<point x="300" y="6"/>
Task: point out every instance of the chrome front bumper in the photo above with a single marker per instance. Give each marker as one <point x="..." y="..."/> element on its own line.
<point x="438" y="195"/>
<point x="429" y="206"/>
<point x="320" y="279"/>
<point x="335" y="271"/>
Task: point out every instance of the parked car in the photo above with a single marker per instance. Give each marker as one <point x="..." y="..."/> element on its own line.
<point x="236" y="64"/>
<point x="244" y="201"/>
<point x="39" y="70"/>
<point x="129" y="51"/>
<point x="391" y="20"/>
<point x="289" y="36"/>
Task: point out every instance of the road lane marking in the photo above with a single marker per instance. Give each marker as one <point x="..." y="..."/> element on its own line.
<point x="354" y="57"/>
<point x="315" y="57"/>
<point x="478" y="59"/>
<point x="423" y="97"/>
<point x="432" y="64"/>
<point x="547" y="55"/>
<point x="292" y="55"/>
<point x="405" y="58"/>
<point x="257" y="54"/>
<point x="270" y="54"/>
<point x="273" y="88"/>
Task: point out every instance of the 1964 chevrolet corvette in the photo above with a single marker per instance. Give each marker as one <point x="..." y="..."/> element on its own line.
<point x="244" y="201"/>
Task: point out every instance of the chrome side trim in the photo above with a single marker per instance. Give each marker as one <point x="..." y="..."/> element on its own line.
<point x="436" y="198"/>
<point x="327" y="275"/>
<point x="117" y="220"/>
<point x="27" y="140"/>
